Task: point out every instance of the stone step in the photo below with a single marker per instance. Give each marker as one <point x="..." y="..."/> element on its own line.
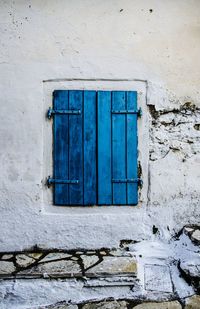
<point x="66" y="265"/>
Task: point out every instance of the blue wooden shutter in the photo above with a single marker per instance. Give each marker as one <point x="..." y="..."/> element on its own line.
<point x="117" y="148"/>
<point x="95" y="147"/>
<point x="74" y="147"/>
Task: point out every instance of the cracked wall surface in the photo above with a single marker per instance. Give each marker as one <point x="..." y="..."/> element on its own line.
<point x="100" y="41"/>
<point x="175" y="130"/>
<point x="100" y="257"/>
<point x="174" y="153"/>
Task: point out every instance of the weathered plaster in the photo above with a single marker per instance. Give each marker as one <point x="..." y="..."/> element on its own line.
<point x="46" y="42"/>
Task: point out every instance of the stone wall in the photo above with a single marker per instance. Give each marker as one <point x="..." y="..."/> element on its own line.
<point x="155" y="274"/>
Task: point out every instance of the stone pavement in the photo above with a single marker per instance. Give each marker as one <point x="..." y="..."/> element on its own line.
<point x="66" y="265"/>
<point x="149" y="274"/>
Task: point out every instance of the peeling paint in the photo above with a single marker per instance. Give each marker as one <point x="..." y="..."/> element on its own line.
<point x="172" y="130"/>
<point x="45" y="45"/>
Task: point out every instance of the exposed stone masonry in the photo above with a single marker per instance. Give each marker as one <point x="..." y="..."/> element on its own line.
<point x="175" y="130"/>
<point x="69" y="264"/>
<point x="166" y="279"/>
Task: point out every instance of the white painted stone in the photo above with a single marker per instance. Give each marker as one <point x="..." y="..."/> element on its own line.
<point x="157" y="278"/>
<point x="113" y="281"/>
<point x="188" y="230"/>
<point x="192" y="302"/>
<point x="88" y="260"/>
<point x="74" y="258"/>
<point x="164" y="253"/>
<point x="118" y="252"/>
<point x="196" y="236"/>
<point x="24" y="260"/>
<point x="6" y="268"/>
<point x="28" y="293"/>
<point x="61" y="306"/>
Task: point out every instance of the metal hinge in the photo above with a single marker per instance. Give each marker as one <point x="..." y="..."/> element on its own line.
<point x="51" y="112"/>
<point x="127" y="111"/>
<point x="51" y="181"/>
<point x="131" y="180"/>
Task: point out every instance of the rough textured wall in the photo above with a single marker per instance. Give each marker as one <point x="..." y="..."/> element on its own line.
<point x="151" y="274"/>
<point x="174" y="154"/>
<point x="154" y="41"/>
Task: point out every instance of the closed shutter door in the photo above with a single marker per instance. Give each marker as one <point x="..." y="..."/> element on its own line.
<point x="95" y="147"/>
<point x="75" y="147"/>
<point x="117" y="148"/>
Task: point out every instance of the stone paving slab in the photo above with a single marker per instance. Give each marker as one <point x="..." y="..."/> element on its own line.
<point x="62" y="268"/>
<point x="6" y="256"/>
<point x="24" y="260"/>
<point x="192" y="302"/>
<point x="6" y="267"/>
<point x="106" y="305"/>
<point x="114" y="266"/>
<point x="188" y="230"/>
<point x="89" y="260"/>
<point x="66" y="264"/>
<point x="163" y="305"/>
<point x="157" y="278"/>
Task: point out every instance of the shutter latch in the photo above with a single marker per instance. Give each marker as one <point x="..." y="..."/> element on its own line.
<point x="52" y="112"/>
<point x="51" y="181"/>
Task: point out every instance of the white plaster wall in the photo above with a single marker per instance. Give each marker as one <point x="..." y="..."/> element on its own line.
<point x="52" y="41"/>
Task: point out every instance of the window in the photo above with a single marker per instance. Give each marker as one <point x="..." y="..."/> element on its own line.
<point x="94" y="147"/>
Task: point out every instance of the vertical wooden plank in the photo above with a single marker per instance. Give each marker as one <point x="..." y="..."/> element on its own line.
<point x="104" y="148"/>
<point x="132" y="188"/>
<point x="119" y="147"/>
<point x="61" y="147"/>
<point x="76" y="148"/>
<point x="89" y="186"/>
